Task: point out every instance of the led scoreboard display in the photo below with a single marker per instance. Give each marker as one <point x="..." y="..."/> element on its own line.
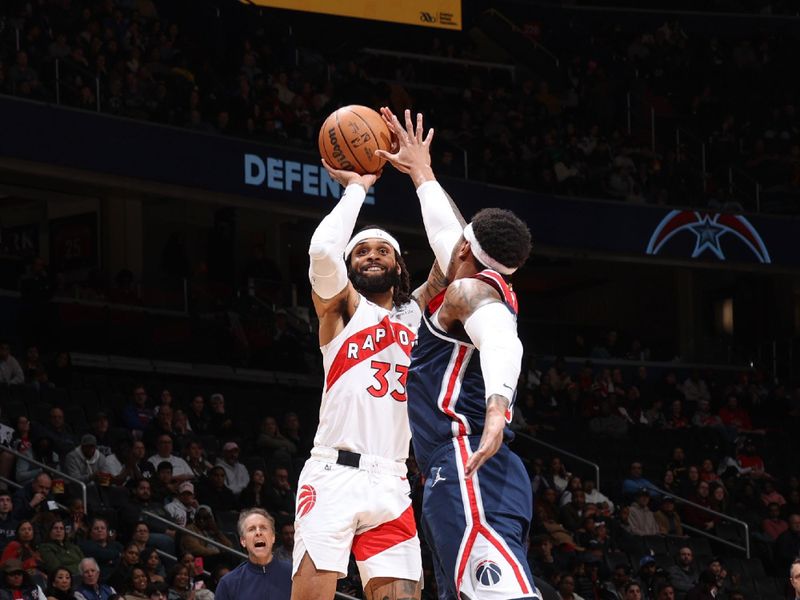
<point x="445" y="14"/>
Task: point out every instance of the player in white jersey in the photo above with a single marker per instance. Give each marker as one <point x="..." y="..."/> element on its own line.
<point x="353" y="493"/>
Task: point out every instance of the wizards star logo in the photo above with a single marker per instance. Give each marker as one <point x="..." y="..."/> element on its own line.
<point x="710" y="231"/>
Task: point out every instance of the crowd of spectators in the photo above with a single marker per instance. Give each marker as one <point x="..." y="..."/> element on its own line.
<point x="561" y="130"/>
<point x="155" y="471"/>
<point x="162" y="461"/>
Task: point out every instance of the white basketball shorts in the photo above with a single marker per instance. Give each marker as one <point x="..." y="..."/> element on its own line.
<point x="366" y="510"/>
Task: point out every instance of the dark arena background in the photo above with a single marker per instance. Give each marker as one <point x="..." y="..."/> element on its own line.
<point x="159" y="184"/>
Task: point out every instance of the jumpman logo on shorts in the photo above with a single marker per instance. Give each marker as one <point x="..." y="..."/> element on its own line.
<point x="438" y="477"/>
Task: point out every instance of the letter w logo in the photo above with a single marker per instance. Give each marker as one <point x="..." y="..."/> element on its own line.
<point x="427" y="17"/>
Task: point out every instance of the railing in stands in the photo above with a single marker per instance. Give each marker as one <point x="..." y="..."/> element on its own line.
<point x="563" y="452"/>
<point x="219" y="545"/>
<point x="721" y="540"/>
<point x="61" y="474"/>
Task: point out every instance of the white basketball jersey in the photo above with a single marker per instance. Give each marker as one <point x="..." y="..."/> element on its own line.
<point x="364" y="399"/>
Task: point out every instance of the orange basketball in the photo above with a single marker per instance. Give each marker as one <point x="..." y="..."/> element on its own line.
<point x="349" y="137"/>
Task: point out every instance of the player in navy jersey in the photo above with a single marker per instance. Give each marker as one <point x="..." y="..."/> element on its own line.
<point x="461" y="385"/>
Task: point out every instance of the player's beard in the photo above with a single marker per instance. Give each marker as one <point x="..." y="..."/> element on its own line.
<point x="374" y="284"/>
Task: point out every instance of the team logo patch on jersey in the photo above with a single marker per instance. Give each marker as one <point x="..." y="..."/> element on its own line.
<point x="306" y="500"/>
<point x="488" y="573"/>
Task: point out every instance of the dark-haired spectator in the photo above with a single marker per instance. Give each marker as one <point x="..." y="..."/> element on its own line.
<point x="10" y="370"/>
<point x="734" y="416"/>
<point x="573" y="485"/>
<point x="125" y="463"/>
<point x="179" y="581"/>
<point x="718" y="498"/>
<point x="635" y="482"/>
<point x="595" y="497"/>
<point x="222" y="424"/>
<point x="194" y="455"/>
<point x="205" y="525"/>
<point x="655" y="414"/>
<point x="160" y="425"/>
<point x="684" y="574"/>
<point x="90" y="587"/>
<point x="199" y="419"/>
<point x="56" y="428"/>
<point x="164" y="448"/>
<point x="787" y="546"/>
<point x="135" y="587"/>
<point x="102" y="548"/>
<point x="572" y="514"/>
<point x="566" y="588"/>
<point x="255" y="494"/>
<point x="40" y="450"/>
<point x="273" y="445"/>
<point x="668" y="519"/>
<point x="75" y="521"/>
<point x="120" y="577"/>
<point x="697" y="517"/>
<point x="213" y="491"/>
<point x="750" y="461"/>
<point x="773" y="526"/>
<point x="61" y="370"/>
<point x="665" y="591"/>
<point x="236" y="475"/>
<point x="676" y="419"/>
<point x="557" y="475"/>
<point x="286" y="542"/>
<point x="608" y="424"/>
<point x="107" y="438"/>
<point x="32" y="364"/>
<point x="771" y="495"/>
<point x="163" y="487"/>
<point x="641" y="519"/>
<point x="650" y="575"/>
<point x="137" y="416"/>
<point x="615" y="589"/>
<point x="152" y="565"/>
<point x="8" y="522"/>
<point x="694" y="388"/>
<point x="688" y="487"/>
<point x="280" y="497"/>
<point x="668" y="483"/>
<point x="706" y="588"/>
<point x="24" y="548"/>
<point x="60" y="585"/>
<point x="707" y="472"/>
<point x="58" y="551"/>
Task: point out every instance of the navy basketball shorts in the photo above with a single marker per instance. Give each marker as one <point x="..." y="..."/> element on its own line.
<point x="477" y="528"/>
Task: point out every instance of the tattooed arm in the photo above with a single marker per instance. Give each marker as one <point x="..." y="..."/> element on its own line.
<point x="474" y="307"/>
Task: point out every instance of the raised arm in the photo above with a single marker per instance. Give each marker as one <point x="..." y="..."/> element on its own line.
<point x="443" y="222"/>
<point x="333" y="295"/>
<point x="492" y="328"/>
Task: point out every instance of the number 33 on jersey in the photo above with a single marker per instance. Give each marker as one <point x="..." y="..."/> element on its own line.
<point x="371" y="353"/>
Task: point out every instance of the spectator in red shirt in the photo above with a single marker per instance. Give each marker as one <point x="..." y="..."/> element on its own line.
<point x="774" y="525"/>
<point x="734" y="416"/>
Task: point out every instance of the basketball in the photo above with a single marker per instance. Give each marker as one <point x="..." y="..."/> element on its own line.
<point x="349" y="138"/>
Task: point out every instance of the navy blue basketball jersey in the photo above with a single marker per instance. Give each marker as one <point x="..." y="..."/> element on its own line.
<point x="446" y="395"/>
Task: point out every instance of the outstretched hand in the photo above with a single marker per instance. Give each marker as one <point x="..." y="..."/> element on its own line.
<point x="345" y="178"/>
<point x="412" y="154"/>
<point x="492" y="437"/>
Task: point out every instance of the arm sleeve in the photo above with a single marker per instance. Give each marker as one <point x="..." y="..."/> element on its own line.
<point x="493" y="330"/>
<point x="441" y="224"/>
<point x="328" y="272"/>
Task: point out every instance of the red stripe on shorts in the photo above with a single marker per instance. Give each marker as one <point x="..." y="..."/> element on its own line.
<point x="384" y="536"/>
